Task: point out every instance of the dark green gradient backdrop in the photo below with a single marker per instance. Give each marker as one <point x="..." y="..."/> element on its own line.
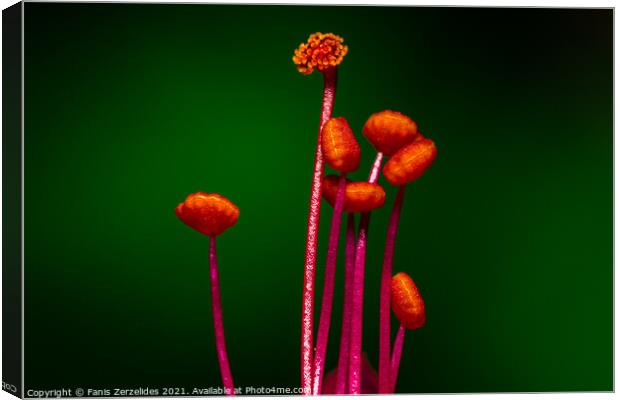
<point x="509" y="236"/>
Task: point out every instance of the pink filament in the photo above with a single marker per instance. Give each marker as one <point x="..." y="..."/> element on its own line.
<point x="355" y="348"/>
<point x="343" y="357"/>
<point x="396" y="355"/>
<point x="373" y="177"/>
<point x="384" y="300"/>
<point x="307" y="307"/>
<point x="218" y="322"/>
<point x="328" y="288"/>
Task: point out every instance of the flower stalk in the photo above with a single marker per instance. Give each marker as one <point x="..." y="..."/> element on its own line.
<point x="328" y="288"/>
<point x="312" y="233"/>
<point x="345" y="332"/>
<point x="396" y="356"/>
<point x="384" y="300"/>
<point x="357" y="302"/>
<point x="218" y="321"/>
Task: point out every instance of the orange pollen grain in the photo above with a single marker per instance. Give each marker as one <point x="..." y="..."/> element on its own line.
<point x="407" y="303"/>
<point x="209" y="214"/>
<point x="322" y="51"/>
<point x="359" y="196"/>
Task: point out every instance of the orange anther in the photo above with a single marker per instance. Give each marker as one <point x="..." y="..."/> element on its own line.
<point x="359" y="196"/>
<point x="407" y="302"/>
<point x="410" y="162"/>
<point x="210" y="214"/>
<point x="389" y="131"/>
<point x="340" y="148"/>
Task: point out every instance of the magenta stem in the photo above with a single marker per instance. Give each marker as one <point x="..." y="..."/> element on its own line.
<point x="357" y="303"/>
<point x="384" y="300"/>
<point x="307" y="307"/>
<point x="355" y="347"/>
<point x="328" y="288"/>
<point x="218" y="322"/>
<point x="345" y="332"/>
<point x="396" y="355"/>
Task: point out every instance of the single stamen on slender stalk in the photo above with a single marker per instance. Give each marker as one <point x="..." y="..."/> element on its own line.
<point x="312" y="233"/>
<point x="384" y="300"/>
<point x="343" y="357"/>
<point x="218" y="322"/>
<point x="355" y="348"/>
<point x="408" y="306"/>
<point x="211" y="215"/>
<point x="328" y="288"/>
<point x="323" y="52"/>
<point x="396" y="356"/>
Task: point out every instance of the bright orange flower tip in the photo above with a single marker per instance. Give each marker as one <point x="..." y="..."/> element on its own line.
<point x="407" y="302"/>
<point x="410" y="162"/>
<point x="322" y="51"/>
<point x="358" y="197"/>
<point x="340" y="148"/>
<point x="389" y="131"/>
<point x="209" y="214"/>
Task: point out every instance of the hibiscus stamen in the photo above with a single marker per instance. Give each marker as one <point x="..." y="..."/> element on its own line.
<point x="323" y="52"/>
<point x="211" y="215"/>
<point x="408" y="306"/>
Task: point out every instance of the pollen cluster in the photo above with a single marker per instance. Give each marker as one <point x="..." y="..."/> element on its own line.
<point x="322" y="51"/>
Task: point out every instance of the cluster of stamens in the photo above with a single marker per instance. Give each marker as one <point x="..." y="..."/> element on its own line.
<point x="393" y="135"/>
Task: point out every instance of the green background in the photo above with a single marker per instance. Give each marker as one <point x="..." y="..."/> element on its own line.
<point x="129" y="108"/>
